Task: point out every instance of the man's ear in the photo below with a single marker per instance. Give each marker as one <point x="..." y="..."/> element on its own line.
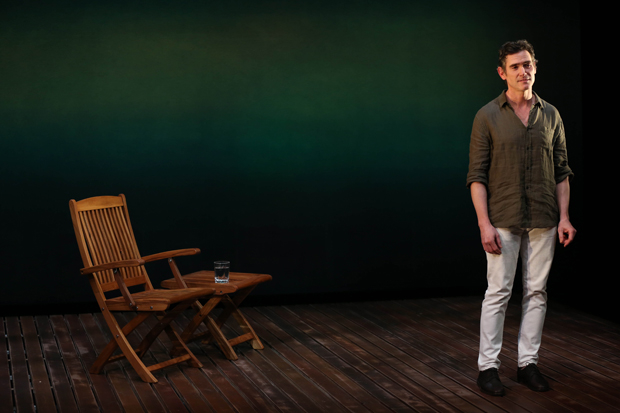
<point x="501" y="73"/>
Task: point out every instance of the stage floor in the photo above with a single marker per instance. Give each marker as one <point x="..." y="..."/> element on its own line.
<point x="402" y="356"/>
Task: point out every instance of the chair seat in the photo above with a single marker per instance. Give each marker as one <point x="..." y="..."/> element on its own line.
<point x="206" y="279"/>
<point x="157" y="300"/>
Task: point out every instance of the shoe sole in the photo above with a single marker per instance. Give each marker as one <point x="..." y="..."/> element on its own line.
<point x="490" y="393"/>
<point x="540" y="390"/>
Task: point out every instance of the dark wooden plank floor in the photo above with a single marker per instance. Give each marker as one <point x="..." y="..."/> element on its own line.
<point x="388" y="356"/>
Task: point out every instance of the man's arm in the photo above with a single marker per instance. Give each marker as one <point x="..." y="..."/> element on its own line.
<point x="488" y="234"/>
<point x="566" y="231"/>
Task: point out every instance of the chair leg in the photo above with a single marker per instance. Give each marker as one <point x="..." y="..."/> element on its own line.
<point x="203" y="312"/>
<point x="246" y="327"/>
<point x="213" y="331"/>
<point x="119" y="340"/>
<point x="134" y="355"/>
<point x="232" y="304"/>
<point x="106" y="355"/>
<point x="231" y="307"/>
<point x="163" y="320"/>
<point x="220" y="339"/>
<point x="177" y="343"/>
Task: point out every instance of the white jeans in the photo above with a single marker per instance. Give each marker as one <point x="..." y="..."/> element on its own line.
<point x="536" y="247"/>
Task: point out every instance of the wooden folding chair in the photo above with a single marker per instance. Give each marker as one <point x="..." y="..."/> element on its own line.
<point x="229" y="297"/>
<point x="112" y="262"/>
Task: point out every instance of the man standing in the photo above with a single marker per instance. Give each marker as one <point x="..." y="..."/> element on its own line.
<point x="519" y="181"/>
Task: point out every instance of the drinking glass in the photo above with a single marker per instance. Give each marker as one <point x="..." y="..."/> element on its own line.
<point x="222" y="268"/>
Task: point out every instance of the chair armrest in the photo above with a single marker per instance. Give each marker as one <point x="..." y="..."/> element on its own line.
<point x="171" y="254"/>
<point x="112" y="265"/>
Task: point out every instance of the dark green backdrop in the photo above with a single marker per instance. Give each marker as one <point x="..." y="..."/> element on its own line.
<point x="323" y="142"/>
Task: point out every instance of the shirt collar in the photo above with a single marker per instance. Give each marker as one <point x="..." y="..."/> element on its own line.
<point x="504" y="101"/>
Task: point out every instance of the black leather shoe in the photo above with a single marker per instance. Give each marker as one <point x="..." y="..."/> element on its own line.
<point x="531" y="377"/>
<point x="489" y="383"/>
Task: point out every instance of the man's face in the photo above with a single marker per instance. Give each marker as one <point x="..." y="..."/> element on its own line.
<point x="519" y="72"/>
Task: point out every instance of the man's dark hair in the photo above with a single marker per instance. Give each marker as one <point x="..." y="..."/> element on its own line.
<point x="509" y="48"/>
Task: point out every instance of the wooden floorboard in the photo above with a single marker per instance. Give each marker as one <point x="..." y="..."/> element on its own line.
<point x="385" y="356"/>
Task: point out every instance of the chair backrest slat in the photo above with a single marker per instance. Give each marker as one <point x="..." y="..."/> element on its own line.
<point x="105" y="235"/>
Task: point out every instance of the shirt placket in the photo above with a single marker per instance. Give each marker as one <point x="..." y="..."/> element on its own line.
<point x="528" y="168"/>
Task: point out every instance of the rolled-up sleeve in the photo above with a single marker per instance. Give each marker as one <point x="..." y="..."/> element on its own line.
<point x="560" y="157"/>
<point x="479" y="151"/>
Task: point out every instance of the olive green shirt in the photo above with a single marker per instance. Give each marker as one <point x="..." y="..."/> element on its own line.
<point x="520" y="165"/>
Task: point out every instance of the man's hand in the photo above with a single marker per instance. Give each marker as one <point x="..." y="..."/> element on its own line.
<point x="488" y="234"/>
<point x="566" y="232"/>
<point x="490" y="239"/>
